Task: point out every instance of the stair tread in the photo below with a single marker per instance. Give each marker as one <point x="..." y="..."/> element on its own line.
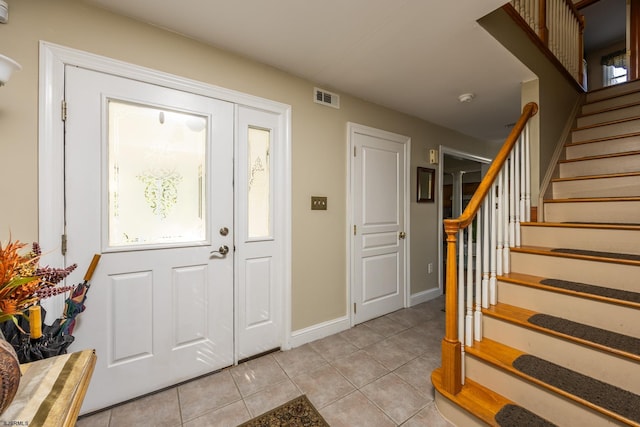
<point x="474" y="397"/>
<point x="609" y="97"/>
<point x="607" y="123"/>
<point x="608" y="109"/>
<point x="610" y="342"/>
<point x="603" y="139"/>
<point x="484" y="403"/>
<point x="584" y="290"/>
<point x="601" y="176"/>
<point x="612" y="257"/>
<point x="593" y="199"/>
<point x="560" y="380"/>
<point x="600" y="156"/>
<point x="589" y="225"/>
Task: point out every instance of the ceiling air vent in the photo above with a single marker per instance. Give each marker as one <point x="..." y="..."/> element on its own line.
<point x="325" y="97"/>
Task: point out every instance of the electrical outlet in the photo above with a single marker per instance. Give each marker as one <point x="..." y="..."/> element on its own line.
<point x="430" y="268"/>
<point x="318" y="203"/>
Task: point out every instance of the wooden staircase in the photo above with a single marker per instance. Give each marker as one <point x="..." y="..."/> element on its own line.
<point x="594" y="217"/>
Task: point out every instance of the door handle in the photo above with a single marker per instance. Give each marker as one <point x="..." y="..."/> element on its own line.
<point x="402" y="235"/>
<point x="222" y="250"/>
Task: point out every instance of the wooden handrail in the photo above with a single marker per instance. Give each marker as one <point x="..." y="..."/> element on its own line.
<point x="451" y="346"/>
<point x="529" y="110"/>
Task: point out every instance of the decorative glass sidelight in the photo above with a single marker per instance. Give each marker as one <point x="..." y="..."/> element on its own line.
<point x="258" y="183"/>
<point x="156" y="175"/>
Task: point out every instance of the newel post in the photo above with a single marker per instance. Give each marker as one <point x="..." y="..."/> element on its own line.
<point x="451" y="357"/>
<point x="543" y="31"/>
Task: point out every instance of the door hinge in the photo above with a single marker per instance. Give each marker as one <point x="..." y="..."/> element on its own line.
<point x="63" y="244"/>
<point x="63" y="111"/>
<point x="354" y="230"/>
<point x="354" y="151"/>
<point x="355" y="310"/>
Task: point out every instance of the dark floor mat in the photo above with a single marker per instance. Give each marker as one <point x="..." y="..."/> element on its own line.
<point x="593" y="290"/>
<point x="589" y="333"/>
<point x="599" y="393"/>
<point x="517" y="416"/>
<point x="615" y="255"/>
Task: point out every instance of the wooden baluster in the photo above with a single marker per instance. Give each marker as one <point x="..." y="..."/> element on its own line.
<point x="477" y="333"/>
<point x="468" y="324"/>
<point x="451" y="353"/>
<point x="516" y="191"/>
<point x="527" y="174"/>
<point x="499" y="221"/>
<point x="493" y="244"/>
<point x="512" y="200"/>
<point x="543" y="30"/>
<point x="486" y="252"/>
<point x="505" y="217"/>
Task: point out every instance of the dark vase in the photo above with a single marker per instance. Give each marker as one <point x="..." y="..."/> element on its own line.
<point x="9" y="374"/>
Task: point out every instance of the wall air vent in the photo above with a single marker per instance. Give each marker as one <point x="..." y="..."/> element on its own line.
<point x="325" y="97"/>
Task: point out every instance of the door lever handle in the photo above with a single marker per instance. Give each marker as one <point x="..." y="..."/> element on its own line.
<point x="222" y="250"/>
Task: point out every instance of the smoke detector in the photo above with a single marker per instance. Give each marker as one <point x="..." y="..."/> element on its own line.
<point x="466" y="97"/>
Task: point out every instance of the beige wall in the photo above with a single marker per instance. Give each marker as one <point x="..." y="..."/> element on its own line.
<point x="319" y="142"/>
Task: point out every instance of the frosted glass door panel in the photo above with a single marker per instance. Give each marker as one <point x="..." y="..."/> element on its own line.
<point x="259" y="194"/>
<point x="156" y="177"/>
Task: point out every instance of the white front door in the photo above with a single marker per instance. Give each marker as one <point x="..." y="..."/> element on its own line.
<point x="378" y="193"/>
<point x="148" y="184"/>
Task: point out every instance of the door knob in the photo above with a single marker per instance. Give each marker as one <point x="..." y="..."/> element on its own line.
<point x="224" y="231"/>
<point x="222" y="250"/>
<point x="402" y="235"/>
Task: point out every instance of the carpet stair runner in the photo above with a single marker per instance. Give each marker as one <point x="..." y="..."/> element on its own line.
<point x="562" y="344"/>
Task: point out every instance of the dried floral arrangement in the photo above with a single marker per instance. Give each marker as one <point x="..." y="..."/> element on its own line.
<point x="23" y="282"/>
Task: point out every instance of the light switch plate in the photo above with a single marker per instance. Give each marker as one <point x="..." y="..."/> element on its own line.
<point x="318" y="203"/>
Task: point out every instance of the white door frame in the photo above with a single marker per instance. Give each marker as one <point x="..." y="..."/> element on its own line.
<point x="351" y="128"/>
<point x="53" y="59"/>
<point x="462" y="154"/>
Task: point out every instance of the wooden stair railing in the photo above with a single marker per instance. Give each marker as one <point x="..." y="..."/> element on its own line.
<point x="502" y="195"/>
<point x="558" y="26"/>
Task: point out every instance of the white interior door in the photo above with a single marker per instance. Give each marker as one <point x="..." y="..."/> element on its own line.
<point x="378" y="189"/>
<point x="148" y="184"/>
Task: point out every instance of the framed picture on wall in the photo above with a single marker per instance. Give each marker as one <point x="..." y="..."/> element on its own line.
<point x="426" y="184"/>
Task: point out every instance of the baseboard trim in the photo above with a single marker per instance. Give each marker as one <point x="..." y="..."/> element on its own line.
<point x="424" y="296"/>
<point x="318" y="331"/>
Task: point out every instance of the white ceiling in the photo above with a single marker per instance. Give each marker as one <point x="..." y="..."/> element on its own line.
<point x="414" y="56"/>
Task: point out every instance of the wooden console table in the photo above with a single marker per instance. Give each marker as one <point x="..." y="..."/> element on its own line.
<point x="51" y="391"/>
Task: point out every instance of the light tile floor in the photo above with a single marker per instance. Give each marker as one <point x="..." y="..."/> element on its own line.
<point x="375" y="374"/>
